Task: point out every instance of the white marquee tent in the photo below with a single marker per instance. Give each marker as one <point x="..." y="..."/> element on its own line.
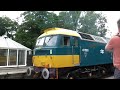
<point x="12" y="54"/>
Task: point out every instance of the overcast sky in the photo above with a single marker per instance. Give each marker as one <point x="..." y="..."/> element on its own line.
<point x="112" y="17"/>
<point x="12" y="14"/>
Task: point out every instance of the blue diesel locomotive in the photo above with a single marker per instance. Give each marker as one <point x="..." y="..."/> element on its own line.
<point x="62" y="53"/>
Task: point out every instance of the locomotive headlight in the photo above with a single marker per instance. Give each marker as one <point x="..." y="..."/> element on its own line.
<point x="50" y="51"/>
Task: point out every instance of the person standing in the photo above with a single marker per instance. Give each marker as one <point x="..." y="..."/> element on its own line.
<point x="114" y="46"/>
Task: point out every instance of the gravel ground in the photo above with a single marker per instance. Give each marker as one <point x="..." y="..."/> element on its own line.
<point x="111" y="77"/>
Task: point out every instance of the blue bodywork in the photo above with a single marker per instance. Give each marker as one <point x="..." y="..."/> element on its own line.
<point x="93" y="53"/>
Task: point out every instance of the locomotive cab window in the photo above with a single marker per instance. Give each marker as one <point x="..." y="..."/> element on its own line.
<point x="40" y="41"/>
<point x="65" y="41"/>
<point x="47" y="41"/>
<point x="50" y="40"/>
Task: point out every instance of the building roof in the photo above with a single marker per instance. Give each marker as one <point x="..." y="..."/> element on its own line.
<point x="7" y="43"/>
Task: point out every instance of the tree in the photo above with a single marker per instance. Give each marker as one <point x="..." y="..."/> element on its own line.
<point x="83" y="21"/>
<point x="25" y="38"/>
<point x="8" y="26"/>
<point x="69" y="19"/>
<point x="88" y="23"/>
<point x="101" y="25"/>
<point x="34" y="24"/>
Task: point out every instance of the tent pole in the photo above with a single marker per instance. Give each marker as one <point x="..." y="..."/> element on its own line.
<point x="25" y="57"/>
<point x="17" y="58"/>
<point x="7" y="57"/>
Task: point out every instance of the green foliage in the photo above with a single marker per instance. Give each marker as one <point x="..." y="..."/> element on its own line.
<point x="101" y="25"/>
<point x="33" y="25"/>
<point x="7" y="26"/>
<point x="88" y="23"/>
<point x="83" y="21"/>
<point x="69" y="19"/>
<point x="26" y="38"/>
<point x="35" y="22"/>
<point x="93" y="23"/>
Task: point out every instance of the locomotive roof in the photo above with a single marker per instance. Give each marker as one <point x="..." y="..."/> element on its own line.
<point x="83" y="36"/>
<point x="90" y="37"/>
<point x="53" y="31"/>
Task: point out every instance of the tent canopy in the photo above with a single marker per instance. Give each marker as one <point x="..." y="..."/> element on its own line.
<point x="7" y="43"/>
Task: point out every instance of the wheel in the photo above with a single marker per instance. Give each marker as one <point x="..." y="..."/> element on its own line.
<point x="45" y="73"/>
<point x="29" y="70"/>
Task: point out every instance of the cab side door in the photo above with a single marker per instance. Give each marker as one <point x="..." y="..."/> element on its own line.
<point x="75" y="50"/>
